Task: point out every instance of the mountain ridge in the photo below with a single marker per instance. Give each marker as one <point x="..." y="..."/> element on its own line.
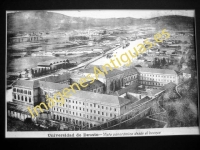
<point x="43" y="20"/>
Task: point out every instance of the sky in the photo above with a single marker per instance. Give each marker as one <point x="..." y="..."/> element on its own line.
<point x="125" y="13"/>
<point x="122" y="13"/>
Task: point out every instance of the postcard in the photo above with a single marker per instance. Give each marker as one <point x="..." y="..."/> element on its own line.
<point x="101" y="73"/>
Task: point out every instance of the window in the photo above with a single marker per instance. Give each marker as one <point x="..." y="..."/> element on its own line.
<point x="69" y="101"/>
<point x="26" y="99"/>
<point x="83" y="103"/>
<point x="80" y="108"/>
<point x="106" y="108"/>
<point x="22" y="98"/>
<point x="102" y="119"/>
<point x="66" y="100"/>
<point x="69" y="106"/>
<point x="98" y="112"/>
<point x="29" y="92"/>
<point x="66" y="105"/>
<point x="102" y="107"/>
<point x="79" y="102"/>
<point x="14" y="89"/>
<point x="76" y="107"/>
<point x="110" y="115"/>
<point x="91" y="111"/>
<point x="94" y="117"/>
<point x="115" y="109"/>
<point x="90" y="117"/>
<point x="102" y="113"/>
<point x="90" y="105"/>
<point x="98" y="106"/>
<point x="14" y="96"/>
<point x="98" y="118"/>
<point x="72" y="101"/>
<point x="25" y="92"/>
<point x="76" y="102"/>
<point x="94" y="111"/>
<point x="18" y="90"/>
<point x="29" y="100"/>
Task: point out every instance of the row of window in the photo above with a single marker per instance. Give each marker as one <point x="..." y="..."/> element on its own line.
<point x="74" y="121"/>
<point x="23" y="98"/>
<point x="130" y="77"/>
<point x="89" y="105"/>
<point x="98" y="90"/>
<point x="152" y="83"/>
<point x="21" y="91"/>
<point x="162" y="76"/>
<point x="83" y="115"/>
<point x="151" y="79"/>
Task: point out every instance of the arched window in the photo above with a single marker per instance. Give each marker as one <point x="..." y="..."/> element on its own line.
<point x="14" y="96"/>
<point x="22" y="98"/>
<point x="18" y="97"/>
<point x="29" y="100"/>
<point x="26" y="99"/>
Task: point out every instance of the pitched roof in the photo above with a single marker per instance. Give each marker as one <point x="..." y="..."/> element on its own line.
<point x="112" y="73"/>
<point x="129" y="71"/>
<point x="53" y="86"/>
<point x="100" y="98"/>
<point x="57" y="78"/>
<point x="26" y="83"/>
<point x="155" y="70"/>
<point x="96" y="83"/>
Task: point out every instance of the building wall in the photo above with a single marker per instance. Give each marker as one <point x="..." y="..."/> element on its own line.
<point x="156" y="79"/>
<point x="115" y="83"/>
<point x="84" y="112"/>
<point x="23" y="95"/>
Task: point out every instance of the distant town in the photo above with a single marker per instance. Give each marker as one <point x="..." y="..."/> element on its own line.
<point x="146" y="94"/>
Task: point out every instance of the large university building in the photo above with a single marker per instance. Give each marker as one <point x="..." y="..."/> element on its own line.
<point x="151" y="77"/>
<point x="90" y="109"/>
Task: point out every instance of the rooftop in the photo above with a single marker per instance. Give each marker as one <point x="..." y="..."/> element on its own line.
<point x="101" y="98"/>
<point x="57" y="78"/>
<point x="154" y="70"/>
<point x="53" y="86"/>
<point x="26" y="83"/>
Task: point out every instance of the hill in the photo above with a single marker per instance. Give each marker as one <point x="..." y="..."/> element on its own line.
<point x="43" y="20"/>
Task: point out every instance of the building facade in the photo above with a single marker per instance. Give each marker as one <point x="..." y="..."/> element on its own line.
<point x="88" y="109"/>
<point x="155" y="78"/>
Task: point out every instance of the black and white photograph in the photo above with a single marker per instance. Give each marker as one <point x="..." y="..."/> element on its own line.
<point x="101" y="73"/>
